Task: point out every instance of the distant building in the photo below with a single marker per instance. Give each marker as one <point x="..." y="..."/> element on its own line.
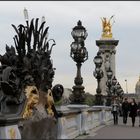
<point x="137" y="89"/>
<point x="135" y="95"/>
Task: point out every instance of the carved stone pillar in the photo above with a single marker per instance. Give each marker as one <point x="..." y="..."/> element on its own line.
<point x="107" y="47"/>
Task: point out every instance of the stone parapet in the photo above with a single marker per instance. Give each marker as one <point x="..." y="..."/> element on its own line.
<point x="10" y="132"/>
<point x="78" y="121"/>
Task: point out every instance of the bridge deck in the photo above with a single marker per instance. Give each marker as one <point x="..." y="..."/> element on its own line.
<point x="111" y="131"/>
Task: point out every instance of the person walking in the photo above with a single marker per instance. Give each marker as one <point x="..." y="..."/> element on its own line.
<point x="115" y="111"/>
<point x="133" y="111"/>
<point x="138" y="112"/>
<point x="125" y="109"/>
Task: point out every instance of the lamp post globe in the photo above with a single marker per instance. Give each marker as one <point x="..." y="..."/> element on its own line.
<point x="114" y="81"/>
<point x="79" y="32"/>
<point x="118" y="85"/>
<point x="109" y="73"/>
<point x="109" y="84"/>
<point x="98" y="61"/>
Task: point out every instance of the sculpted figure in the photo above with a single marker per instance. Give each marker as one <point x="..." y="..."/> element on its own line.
<point x="26" y="76"/>
<point x="39" y="121"/>
<point x="32" y="95"/>
<point x="107" y="27"/>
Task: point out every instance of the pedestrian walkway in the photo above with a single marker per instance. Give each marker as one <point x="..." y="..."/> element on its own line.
<point x="111" y="131"/>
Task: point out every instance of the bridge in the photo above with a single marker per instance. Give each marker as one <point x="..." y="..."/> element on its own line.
<point x="27" y="96"/>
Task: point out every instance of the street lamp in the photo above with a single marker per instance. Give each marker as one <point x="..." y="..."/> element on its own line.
<point x="79" y="54"/>
<point x="126" y="86"/>
<point x="98" y="74"/>
<point x="114" y="86"/>
<point x="109" y="84"/>
<point x="114" y="81"/>
<point x="26" y="16"/>
<point x="118" y="85"/>
<point x="121" y="96"/>
<point x="120" y="91"/>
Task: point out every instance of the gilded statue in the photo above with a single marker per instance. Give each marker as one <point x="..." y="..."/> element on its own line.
<point x="50" y="102"/>
<point x="107" y="27"/>
<point x="12" y="133"/>
<point x="32" y="95"/>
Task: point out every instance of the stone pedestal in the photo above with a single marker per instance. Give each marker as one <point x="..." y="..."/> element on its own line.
<point x="10" y="132"/>
<point x="40" y="125"/>
<point x="99" y="100"/>
<point x="9" y="127"/>
<point x="108" y="51"/>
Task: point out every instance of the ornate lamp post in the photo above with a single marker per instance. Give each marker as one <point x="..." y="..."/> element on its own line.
<point x="79" y="54"/>
<point x="109" y="84"/>
<point x="98" y="73"/>
<point x="119" y="91"/>
<point x="114" y="85"/>
<point x="118" y="87"/>
<point x="121" y="96"/>
<point x="126" y="86"/>
<point x="114" y="88"/>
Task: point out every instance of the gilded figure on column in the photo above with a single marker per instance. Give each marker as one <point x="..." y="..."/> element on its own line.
<point x="107" y="27"/>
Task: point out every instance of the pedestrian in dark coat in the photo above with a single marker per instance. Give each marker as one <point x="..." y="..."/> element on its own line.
<point x="138" y="112"/>
<point x="125" y="109"/>
<point x="133" y="111"/>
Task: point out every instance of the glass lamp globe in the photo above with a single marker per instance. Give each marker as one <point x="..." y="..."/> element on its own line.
<point x="98" y="60"/>
<point x="79" y="32"/>
<point x="114" y="80"/>
<point x="74" y="46"/>
<point x="109" y="73"/>
<point x="118" y="85"/>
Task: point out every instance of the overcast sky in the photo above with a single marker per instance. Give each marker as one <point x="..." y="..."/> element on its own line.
<point x="62" y="16"/>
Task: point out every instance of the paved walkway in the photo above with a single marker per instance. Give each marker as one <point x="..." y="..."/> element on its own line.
<point x="112" y="131"/>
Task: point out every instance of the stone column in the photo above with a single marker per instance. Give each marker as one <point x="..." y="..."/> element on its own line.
<point x="108" y="51"/>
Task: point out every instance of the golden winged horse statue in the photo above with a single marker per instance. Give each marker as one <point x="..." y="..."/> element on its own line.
<point x="107" y="27"/>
